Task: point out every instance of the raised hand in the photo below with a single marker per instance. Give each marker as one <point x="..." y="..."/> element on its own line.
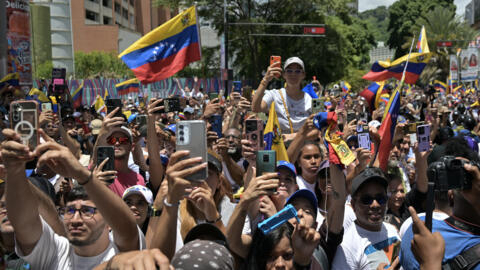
<point x="304" y="241"/>
<point x="106" y="177"/>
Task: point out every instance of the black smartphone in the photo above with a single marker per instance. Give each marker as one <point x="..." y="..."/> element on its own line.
<point x="112" y="104"/>
<point x="172" y="104"/>
<point x="237" y="86"/>
<point x="104" y="152"/>
<point x="141" y="120"/>
<point x="351" y="116"/>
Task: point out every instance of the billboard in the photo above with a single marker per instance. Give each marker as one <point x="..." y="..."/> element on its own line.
<point x="469" y="64"/>
<point x="453" y="67"/>
<point x="18" y="40"/>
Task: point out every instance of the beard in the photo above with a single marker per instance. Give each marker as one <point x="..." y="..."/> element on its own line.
<point x="94" y="236"/>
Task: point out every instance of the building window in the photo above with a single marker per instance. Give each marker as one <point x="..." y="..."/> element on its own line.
<point x="132" y="2"/>
<point x="107" y="3"/>
<point x="93" y="16"/>
<point x="117" y="8"/>
<point x="125" y="13"/>
<point x="95" y="1"/>
<point x="107" y="20"/>
<point x="132" y="19"/>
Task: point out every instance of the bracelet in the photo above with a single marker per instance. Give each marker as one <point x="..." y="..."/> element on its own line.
<point x="88" y="180"/>
<point x="216" y="220"/>
<point x="166" y="203"/>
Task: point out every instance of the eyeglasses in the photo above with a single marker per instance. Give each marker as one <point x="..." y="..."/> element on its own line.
<point x="368" y="200"/>
<point x="122" y="140"/>
<point x="86" y="212"/>
<point x="296" y="71"/>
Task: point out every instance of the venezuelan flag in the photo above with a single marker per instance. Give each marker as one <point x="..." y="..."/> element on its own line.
<point x="372" y="94"/>
<point x="387" y="129"/>
<point x="77" y="96"/>
<point x="422" y="44"/>
<point x="441" y="86"/>
<point x="310" y="90"/>
<point x="165" y="50"/>
<point x="383" y="70"/>
<point x="38" y="95"/>
<point x="273" y="136"/>
<point x="10" y="79"/>
<point x="346" y="87"/>
<point x="126" y="87"/>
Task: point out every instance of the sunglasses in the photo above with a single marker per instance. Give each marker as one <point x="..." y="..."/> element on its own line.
<point x="85" y="211"/>
<point x="368" y="200"/>
<point x="296" y="71"/>
<point x="121" y="140"/>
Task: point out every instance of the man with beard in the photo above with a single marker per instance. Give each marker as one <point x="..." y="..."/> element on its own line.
<point x="87" y="217"/>
<point x="370" y="241"/>
<point x="231" y="151"/>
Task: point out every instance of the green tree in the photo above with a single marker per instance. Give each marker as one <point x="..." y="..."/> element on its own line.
<point x="345" y="45"/>
<point x="378" y="21"/>
<point x="100" y="64"/>
<point x="43" y="70"/>
<point x="404" y="16"/>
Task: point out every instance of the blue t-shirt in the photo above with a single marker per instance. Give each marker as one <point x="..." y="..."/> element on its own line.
<point x="456" y="241"/>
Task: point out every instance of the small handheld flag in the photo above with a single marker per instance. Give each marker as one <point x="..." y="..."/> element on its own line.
<point x="273" y="136"/>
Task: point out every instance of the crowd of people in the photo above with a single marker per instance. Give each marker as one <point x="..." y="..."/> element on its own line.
<point x="147" y="206"/>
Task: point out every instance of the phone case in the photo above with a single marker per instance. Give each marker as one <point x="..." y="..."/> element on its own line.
<point x="112" y="104"/>
<point x="276" y="59"/>
<point x="317" y="105"/>
<point x="254" y="132"/>
<point x="46" y="106"/>
<point x="266" y="160"/>
<point x="423" y="137"/>
<point x="24" y="120"/>
<point x="104" y="152"/>
<point x="364" y="140"/>
<point x="172" y="105"/>
<point x="237" y="86"/>
<point x="216" y="122"/>
<point x="141" y="120"/>
<point x="192" y="136"/>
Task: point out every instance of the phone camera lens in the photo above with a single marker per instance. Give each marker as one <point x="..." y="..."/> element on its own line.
<point x="181" y="132"/>
<point x="254" y="137"/>
<point x="182" y="139"/>
<point x="180" y="127"/>
<point x="265" y="158"/>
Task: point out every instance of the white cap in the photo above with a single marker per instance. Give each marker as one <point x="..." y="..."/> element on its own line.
<point x="141" y="190"/>
<point x="374" y="123"/>
<point x="294" y="60"/>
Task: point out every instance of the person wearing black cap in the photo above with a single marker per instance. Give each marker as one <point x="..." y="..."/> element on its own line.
<point x="370" y="241"/>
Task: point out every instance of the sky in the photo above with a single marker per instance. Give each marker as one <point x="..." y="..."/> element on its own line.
<point x="371" y="4"/>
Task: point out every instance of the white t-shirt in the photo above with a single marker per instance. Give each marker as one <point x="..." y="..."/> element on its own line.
<point x="406" y="224"/>
<point x="299" y="110"/>
<point x="348" y="217"/>
<point x="53" y="251"/>
<point x="362" y="249"/>
<point x="303" y="184"/>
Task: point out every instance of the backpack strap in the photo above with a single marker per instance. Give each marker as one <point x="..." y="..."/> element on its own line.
<point x="466" y="260"/>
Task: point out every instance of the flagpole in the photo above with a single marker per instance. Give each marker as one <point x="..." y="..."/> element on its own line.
<point x="408" y="58"/>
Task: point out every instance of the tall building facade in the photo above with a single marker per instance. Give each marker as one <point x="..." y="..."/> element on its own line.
<point x="96" y="25"/>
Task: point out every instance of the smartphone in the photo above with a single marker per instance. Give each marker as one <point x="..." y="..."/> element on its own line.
<point x="237" y="86"/>
<point x="172" y="104"/>
<point x="247" y="93"/>
<point x="266" y="160"/>
<point x="276" y="59"/>
<point x="192" y="136"/>
<point x="141" y="102"/>
<point x="47" y="106"/>
<point x="24" y="120"/>
<point x="216" y="123"/>
<point x="351" y="116"/>
<point x="141" y="120"/>
<point x="423" y="138"/>
<point x="104" y="152"/>
<point x="254" y="132"/>
<point x="411" y="127"/>
<point x="363" y="137"/>
<point x="212" y="96"/>
<point x="112" y="104"/>
<point x="317" y="105"/>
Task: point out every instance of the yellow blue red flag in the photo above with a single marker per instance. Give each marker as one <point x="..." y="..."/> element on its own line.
<point x="273" y="136"/>
<point x="165" y="50"/>
<point x="10" y="79"/>
<point x="39" y="95"/>
<point x="77" y="96"/>
<point x="387" y="129"/>
<point x="422" y="44"/>
<point x="127" y="87"/>
<point x="441" y="86"/>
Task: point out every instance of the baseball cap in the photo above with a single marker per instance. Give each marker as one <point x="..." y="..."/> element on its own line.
<point x="304" y="193"/>
<point x="324" y="168"/>
<point x="205" y="231"/>
<point x="140" y="190"/>
<point x="367" y="175"/>
<point x="172" y="128"/>
<point x="294" y="60"/>
<point x="203" y="254"/>
<point x="131" y="118"/>
<point x="287" y="165"/>
<point x="374" y="123"/>
<point x="123" y="130"/>
<point x="188" y="109"/>
<point x="96" y="125"/>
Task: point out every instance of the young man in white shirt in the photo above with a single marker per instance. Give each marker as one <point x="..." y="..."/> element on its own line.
<point x="88" y="216"/>
<point x="369" y="241"/>
<point x="292" y="105"/>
